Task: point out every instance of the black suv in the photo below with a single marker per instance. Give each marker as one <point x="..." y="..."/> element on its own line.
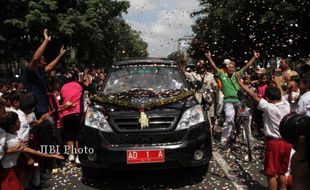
<point x="146" y="117"/>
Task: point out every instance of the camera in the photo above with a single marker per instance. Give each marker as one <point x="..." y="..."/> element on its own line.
<point x="294" y="125"/>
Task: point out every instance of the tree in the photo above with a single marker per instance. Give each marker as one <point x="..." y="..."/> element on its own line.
<point x="178" y="57"/>
<point x="90" y="28"/>
<point x="232" y="29"/>
<point x="128" y="43"/>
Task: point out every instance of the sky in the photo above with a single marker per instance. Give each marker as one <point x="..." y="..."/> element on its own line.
<point x="161" y="23"/>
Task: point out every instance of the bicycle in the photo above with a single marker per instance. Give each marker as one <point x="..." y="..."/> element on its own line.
<point x="243" y="121"/>
<point x="208" y="105"/>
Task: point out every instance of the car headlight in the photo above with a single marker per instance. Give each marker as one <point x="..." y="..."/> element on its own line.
<point x="95" y="119"/>
<point x="191" y="117"/>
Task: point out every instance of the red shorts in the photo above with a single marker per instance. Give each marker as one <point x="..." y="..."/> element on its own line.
<point x="277" y="157"/>
<point x="9" y="180"/>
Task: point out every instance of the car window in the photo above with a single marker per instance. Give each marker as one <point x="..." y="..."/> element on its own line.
<point x="156" y="78"/>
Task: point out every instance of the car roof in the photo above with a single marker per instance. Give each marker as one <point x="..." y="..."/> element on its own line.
<point x="145" y="61"/>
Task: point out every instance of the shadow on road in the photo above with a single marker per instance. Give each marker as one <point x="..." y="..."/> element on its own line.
<point x="151" y="179"/>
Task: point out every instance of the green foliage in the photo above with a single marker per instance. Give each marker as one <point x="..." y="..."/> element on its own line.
<point x="179" y="57"/>
<point x="93" y="29"/>
<point x="232" y="29"/>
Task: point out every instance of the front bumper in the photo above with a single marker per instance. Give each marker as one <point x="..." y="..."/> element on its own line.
<point x="179" y="147"/>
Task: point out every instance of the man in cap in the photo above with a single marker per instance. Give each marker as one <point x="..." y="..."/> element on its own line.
<point x="230" y="90"/>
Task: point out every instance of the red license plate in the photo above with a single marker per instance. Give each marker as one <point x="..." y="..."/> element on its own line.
<point x="145" y="156"/>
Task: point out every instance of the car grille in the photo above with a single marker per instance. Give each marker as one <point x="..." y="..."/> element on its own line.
<point x="159" y="120"/>
<point x="145" y="138"/>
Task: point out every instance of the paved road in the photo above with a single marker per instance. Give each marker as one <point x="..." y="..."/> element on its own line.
<point x="227" y="170"/>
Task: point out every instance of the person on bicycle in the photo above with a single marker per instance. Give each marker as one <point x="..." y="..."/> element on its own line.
<point x="230" y="90"/>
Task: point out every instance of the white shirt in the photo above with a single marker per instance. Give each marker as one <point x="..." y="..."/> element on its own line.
<point x="190" y="76"/>
<point x="295" y="96"/>
<point x="23" y="132"/>
<point x="273" y="113"/>
<point x="10" y="160"/>
<point x="31" y="117"/>
<point x="208" y="83"/>
<point x="303" y="106"/>
<point x="2" y="142"/>
<point x="18" y="112"/>
<point x="8" y="109"/>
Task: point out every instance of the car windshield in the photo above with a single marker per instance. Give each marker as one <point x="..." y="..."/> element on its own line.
<point x="144" y="77"/>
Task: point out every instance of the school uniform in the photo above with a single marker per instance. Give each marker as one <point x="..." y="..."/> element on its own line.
<point x="2" y="142"/>
<point x="303" y="106"/>
<point x="277" y="153"/>
<point x="9" y="178"/>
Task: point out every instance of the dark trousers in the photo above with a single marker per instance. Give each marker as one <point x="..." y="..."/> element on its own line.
<point x="45" y="137"/>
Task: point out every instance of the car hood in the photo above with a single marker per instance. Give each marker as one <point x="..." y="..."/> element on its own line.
<point x="149" y="100"/>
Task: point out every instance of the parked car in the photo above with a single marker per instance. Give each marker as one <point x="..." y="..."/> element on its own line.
<point x="146" y="117"/>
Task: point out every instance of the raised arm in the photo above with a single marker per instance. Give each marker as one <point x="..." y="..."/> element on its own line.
<point x="39" y="52"/>
<point x="86" y="80"/>
<point x="251" y="62"/>
<point x="277" y="80"/>
<point x="212" y="64"/>
<point x="52" y="64"/>
<point x="247" y="89"/>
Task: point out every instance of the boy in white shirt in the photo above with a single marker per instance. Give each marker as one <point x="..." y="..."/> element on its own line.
<point x="277" y="153"/>
<point x="9" y="179"/>
<point x="23" y="106"/>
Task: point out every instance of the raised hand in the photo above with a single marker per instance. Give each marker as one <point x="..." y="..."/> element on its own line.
<point x="238" y="77"/>
<point x="62" y="50"/>
<point x="256" y="54"/>
<point x="86" y="71"/>
<point x="46" y="36"/>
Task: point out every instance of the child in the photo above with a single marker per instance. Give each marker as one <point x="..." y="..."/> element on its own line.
<point x="3" y="115"/>
<point x="27" y="133"/>
<point x="277" y="150"/>
<point x="9" y="161"/>
<point x="55" y="109"/>
<point x="262" y="86"/>
<point x="3" y="149"/>
<point x="303" y="106"/>
<point x="73" y="117"/>
<point x="293" y="94"/>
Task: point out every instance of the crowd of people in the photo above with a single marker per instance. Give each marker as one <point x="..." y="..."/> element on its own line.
<point x="46" y="106"/>
<point x="269" y="96"/>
